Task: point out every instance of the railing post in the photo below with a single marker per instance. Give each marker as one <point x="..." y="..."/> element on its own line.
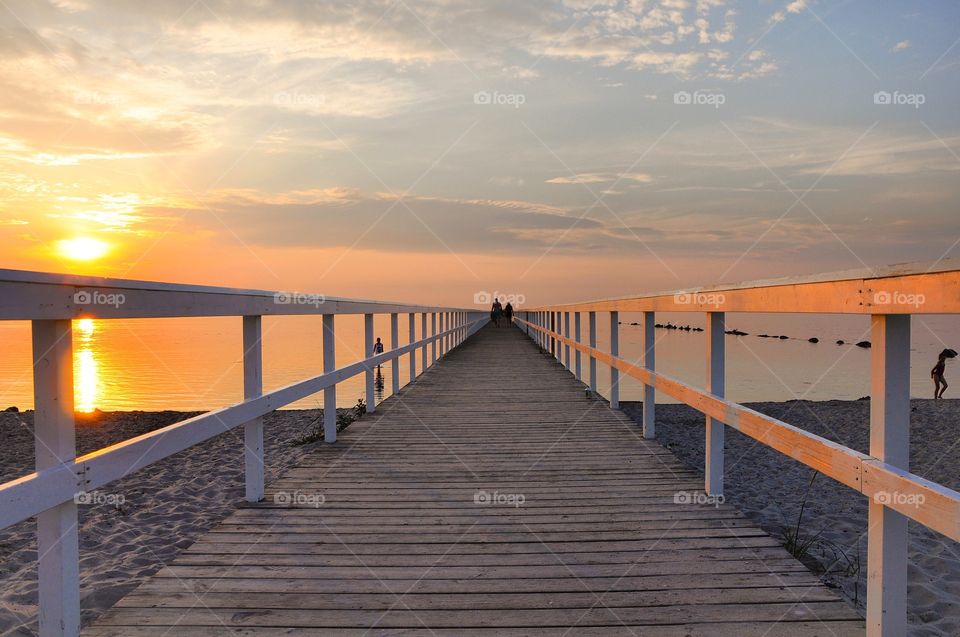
<point x="330" y="393"/>
<point x="592" y="335"/>
<point x="395" y="362"/>
<point x="368" y="352"/>
<point x="553" y="340"/>
<point x="423" y="333"/>
<point x="713" y="456"/>
<point x="889" y="442"/>
<point x="566" y="346"/>
<point x="253" y="387"/>
<point x="649" y="362"/>
<point x="433" y="342"/>
<point x="443" y="337"/>
<point x="615" y="352"/>
<point x="58" y="544"/>
<point x="412" y="318"/>
<point x="576" y="336"/>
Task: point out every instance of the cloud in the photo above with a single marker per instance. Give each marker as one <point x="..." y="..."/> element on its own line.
<point x="903" y="45"/>
<point x="797" y="6"/>
<point x="599" y="178"/>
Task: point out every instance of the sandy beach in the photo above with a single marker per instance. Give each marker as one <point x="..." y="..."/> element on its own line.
<point x="165" y="506"/>
<point x="770" y="488"/>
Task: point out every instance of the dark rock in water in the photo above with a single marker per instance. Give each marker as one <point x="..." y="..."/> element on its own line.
<point x="864" y="344"/>
<point x="12" y="408"/>
<point x="840" y="342"/>
<point x="763" y="335"/>
<point x="813" y="340"/>
<point x="660" y="325"/>
<point x="685" y="328"/>
<point x="634" y="324"/>
<point x="736" y="332"/>
<point x="864" y="398"/>
<point x="783" y="337"/>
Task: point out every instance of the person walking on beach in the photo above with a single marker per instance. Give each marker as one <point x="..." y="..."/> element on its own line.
<point x="508" y="313"/>
<point x="939" y="382"/>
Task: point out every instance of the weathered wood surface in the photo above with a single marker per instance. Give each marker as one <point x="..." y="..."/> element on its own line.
<point x="400" y="545"/>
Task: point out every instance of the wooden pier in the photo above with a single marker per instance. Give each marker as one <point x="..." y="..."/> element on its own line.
<point x="493" y="496"/>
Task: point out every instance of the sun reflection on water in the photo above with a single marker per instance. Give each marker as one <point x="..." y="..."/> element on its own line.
<point x="86" y="379"/>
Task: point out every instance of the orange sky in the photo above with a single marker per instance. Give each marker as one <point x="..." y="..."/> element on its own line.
<point x="434" y="151"/>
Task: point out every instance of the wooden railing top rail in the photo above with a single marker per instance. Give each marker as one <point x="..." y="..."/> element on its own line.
<point x="41" y="295"/>
<point x="912" y="288"/>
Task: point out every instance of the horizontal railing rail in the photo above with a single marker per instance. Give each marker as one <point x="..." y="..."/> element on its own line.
<point x="52" y="301"/>
<point x="889" y="296"/>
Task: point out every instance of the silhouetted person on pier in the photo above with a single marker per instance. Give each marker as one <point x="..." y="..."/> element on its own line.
<point x="939" y="382"/>
<point x="378" y="349"/>
<point x="508" y="313"/>
<point x="496" y="311"/>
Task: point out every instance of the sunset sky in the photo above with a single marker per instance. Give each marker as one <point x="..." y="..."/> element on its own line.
<point x="427" y="150"/>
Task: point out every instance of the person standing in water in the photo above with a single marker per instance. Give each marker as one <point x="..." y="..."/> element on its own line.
<point x="378" y="349"/>
<point x="939" y="382"/>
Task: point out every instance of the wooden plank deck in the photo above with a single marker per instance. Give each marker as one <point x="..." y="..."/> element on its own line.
<point x="401" y="544"/>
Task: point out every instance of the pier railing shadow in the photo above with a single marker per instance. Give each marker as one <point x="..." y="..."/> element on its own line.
<point x="52" y="301"/>
<point x="889" y="296"/>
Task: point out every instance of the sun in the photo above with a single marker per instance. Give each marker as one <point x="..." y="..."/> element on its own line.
<point x="82" y="248"/>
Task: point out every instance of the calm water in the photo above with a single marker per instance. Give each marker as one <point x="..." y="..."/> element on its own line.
<point x="195" y="364"/>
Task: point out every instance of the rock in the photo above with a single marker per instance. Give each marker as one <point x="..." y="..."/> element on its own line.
<point x="660" y="325"/>
<point x="634" y="323"/>
<point x="764" y="335"/>
<point x="783" y="338"/>
<point x="864" y="344"/>
<point x="864" y="398"/>
<point x="813" y="340"/>
<point x="840" y="342"/>
<point x="13" y="408"/>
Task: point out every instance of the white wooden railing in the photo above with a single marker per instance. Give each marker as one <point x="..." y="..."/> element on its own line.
<point x="51" y="301"/>
<point x="889" y="296"/>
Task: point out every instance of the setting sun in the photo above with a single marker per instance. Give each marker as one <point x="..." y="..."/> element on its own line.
<point x="82" y="248"/>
